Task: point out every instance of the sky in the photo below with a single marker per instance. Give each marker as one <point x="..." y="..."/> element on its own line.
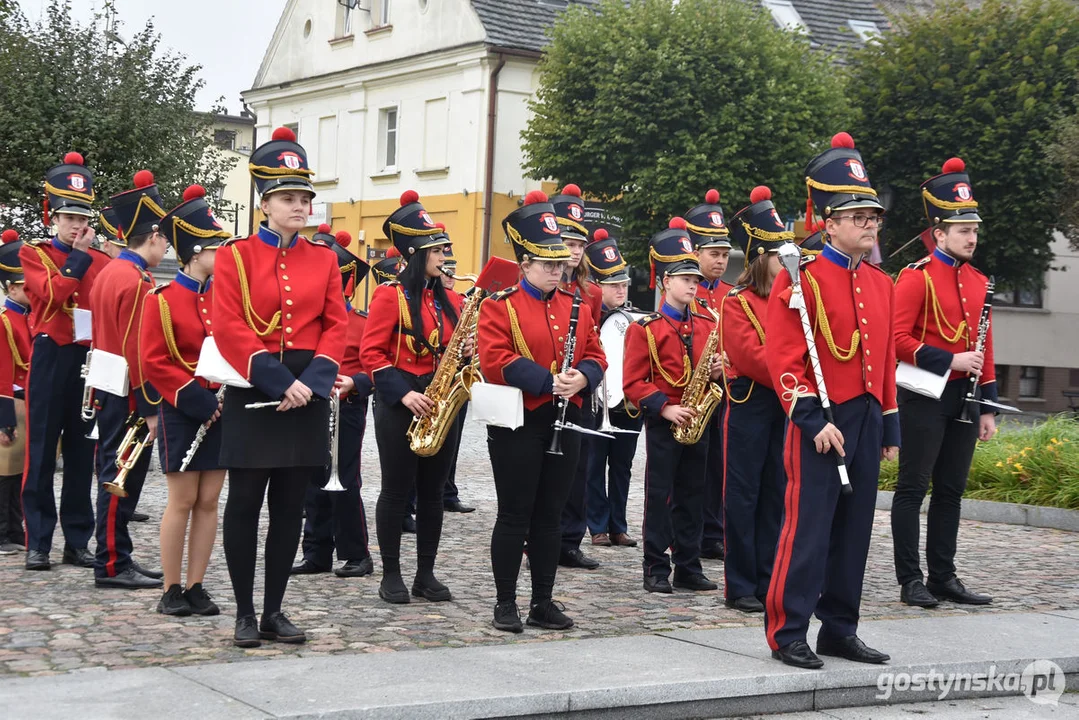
<point x="227" y="37"/>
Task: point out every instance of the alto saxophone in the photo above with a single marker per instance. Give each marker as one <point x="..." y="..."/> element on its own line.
<point x="701" y="394"/>
<point x="450" y="387"/>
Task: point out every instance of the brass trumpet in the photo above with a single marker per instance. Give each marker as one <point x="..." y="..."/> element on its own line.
<point x="135" y="441"/>
<point x="89" y="410"/>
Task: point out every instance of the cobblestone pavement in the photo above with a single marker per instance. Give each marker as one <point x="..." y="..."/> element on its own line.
<point x="57" y="621"/>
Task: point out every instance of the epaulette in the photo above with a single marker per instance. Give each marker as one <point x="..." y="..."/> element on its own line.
<point x="736" y="289"/>
<point x="230" y="241"/>
<point x="315" y="241"/>
<point x="920" y="263"/>
<point x="564" y="290"/>
<point x="806" y="259"/>
<point x="650" y="317"/>
<point x="703" y="302"/>
<point x="38" y="241"/>
<point x="502" y="294"/>
<point x="157" y="290"/>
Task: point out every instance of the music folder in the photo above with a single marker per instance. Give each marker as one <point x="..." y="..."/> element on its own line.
<point x="921" y="381"/>
<point x="214" y="367"/>
<point x="108" y="373"/>
<point x="498" y="405"/>
<point x="81" y="318"/>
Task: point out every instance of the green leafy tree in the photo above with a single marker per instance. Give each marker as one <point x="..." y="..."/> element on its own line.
<point x="123" y="106"/>
<point x="1064" y="153"/>
<point x="648" y="103"/>
<point x="986" y="84"/>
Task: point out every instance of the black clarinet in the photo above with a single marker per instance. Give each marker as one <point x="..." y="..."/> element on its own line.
<point x="568" y="351"/>
<point x="974" y="392"/>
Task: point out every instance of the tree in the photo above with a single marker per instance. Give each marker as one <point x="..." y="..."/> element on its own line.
<point x="984" y="84"/>
<point x="124" y="107"/>
<point x="1064" y="153"/>
<point x="648" y="103"/>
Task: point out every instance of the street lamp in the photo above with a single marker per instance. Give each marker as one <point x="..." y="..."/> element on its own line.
<point x="228" y="209"/>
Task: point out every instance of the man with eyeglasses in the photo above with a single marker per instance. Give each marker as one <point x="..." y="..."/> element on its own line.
<point x="938" y="303"/>
<point x="824" y="539"/>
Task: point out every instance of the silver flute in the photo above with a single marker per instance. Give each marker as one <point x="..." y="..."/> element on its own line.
<point x="200" y="435"/>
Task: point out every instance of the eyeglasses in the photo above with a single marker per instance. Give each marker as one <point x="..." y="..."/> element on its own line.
<point x="861" y="220"/>
<point x="552" y="266"/>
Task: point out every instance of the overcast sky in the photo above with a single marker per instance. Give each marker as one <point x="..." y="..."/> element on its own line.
<point x="227" y="37"/>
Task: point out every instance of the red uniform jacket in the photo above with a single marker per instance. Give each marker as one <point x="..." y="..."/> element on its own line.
<point x="650" y="379"/>
<point x="351" y="365"/>
<point x="743" y="315"/>
<point x="522" y="337"/>
<point x="938" y="304"/>
<point x="177" y="318"/>
<point x="58" y="280"/>
<point x="269" y="300"/>
<point x="14" y="357"/>
<point x="118" y="298"/>
<point x="389" y="348"/>
<point x="856" y="300"/>
<point x="712" y="292"/>
<point x="592" y="296"/>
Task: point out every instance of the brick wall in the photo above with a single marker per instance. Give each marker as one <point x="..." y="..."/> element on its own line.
<point x="1054" y="381"/>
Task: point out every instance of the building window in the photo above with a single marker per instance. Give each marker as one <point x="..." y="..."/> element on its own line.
<point x="1002" y="380"/>
<point x="1028" y="297"/>
<point x="1030" y="381"/>
<point x="343" y="24"/>
<point x="387" y="138"/>
<point x="864" y="29"/>
<point x="380" y="13"/>
<point x="225" y="139"/>
<point x="1073" y="378"/>
<point x="785" y="15"/>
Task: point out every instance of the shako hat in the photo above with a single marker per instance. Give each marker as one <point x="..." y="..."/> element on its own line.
<point x="353" y="270"/>
<point x="191" y="226"/>
<point x="837" y="180"/>
<point x="948" y="197"/>
<point x="569" y="211"/>
<point x="605" y="259"/>
<point x="534" y="230"/>
<point x="107" y="220"/>
<point x="386" y="269"/>
<point x="670" y="252"/>
<point x="138" y="211"/>
<point x="757" y="228"/>
<point x="69" y="188"/>
<point x="706" y="225"/>
<point x="410" y="228"/>
<point x="10" y="264"/>
<point x="281" y="164"/>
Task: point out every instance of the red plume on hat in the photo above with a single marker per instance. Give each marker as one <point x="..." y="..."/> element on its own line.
<point x="9" y="236"/>
<point x="572" y="189"/>
<point x="842" y="140"/>
<point x="343" y="238"/>
<point x="677" y="223"/>
<point x="954" y="165"/>
<point x="712" y="196"/>
<point x="409" y="196"/>
<point x="324" y="229"/>
<point x="284" y="133"/>
<point x="393" y="252"/>
<point x="74" y="158"/>
<point x="536" y="196"/>
<point x="143" y="178"/>
<point x="600" y="235"/>
<point x="194" y="192"/>
<point x="759" y="193"/>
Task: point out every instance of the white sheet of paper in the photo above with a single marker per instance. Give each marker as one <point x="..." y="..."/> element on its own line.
<point x="498" y="405"/>
<point x="921" y="381"/>
<point x="214" y="367"/>
<point x="108" y="373"/>
<point x="83" y="327"/>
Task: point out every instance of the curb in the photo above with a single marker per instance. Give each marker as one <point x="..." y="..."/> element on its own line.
<point x="1000" y="512"/>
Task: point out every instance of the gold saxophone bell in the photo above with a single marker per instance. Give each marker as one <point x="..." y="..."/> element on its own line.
<point x="701" y="394"/>
<point x="135" y="441"/>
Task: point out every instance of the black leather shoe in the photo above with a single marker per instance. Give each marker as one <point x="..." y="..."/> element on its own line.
<point x="508" y="617"/>
<point x="79" y="558"/>
<point x="37" y="560"/>
<point x="200" y="601"/>
<point x="408" y="525"/>
<point x="697" y="582"/>
<point x="307" y="568"/>
<point x="548" y="614"/>
<point x="458" y="507"/>
<point x="430" y="589"/>
<point x="798" y="655"/>
<point x="955" y="591"/>
<point x="715" y="551"/>
<point x="155" y="574"/>
<point x="657" y="584"/>
<point x="174" y="603"/>
<point x="128" y="580"/>
<point x="392" y="589"/>
<point x="748" y="604"/>
<point x="276" y="626"/>
<point x="915" y="594"/>
<point x="139" y="517"/>
<point x="576" y="559"/>
<point x="354" y="568"/>
<point x="851" y="648"/>
<point x="247" y="632"/>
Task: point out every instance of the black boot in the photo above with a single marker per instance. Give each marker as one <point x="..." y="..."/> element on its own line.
<point x="392" y="588"/>
<point x="426" y="585"/>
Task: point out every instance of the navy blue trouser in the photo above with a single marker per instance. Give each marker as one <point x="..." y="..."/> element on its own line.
<point x="574" y="512"/>
<point x="609" y="469"/>
<point x="54" y="402"/>
<point x="113" y="512"/>
<point x="713" y="484"/>
<point x="338" y="519"/>
<point x="824" y="538"/>
<point x="753" y="490"/>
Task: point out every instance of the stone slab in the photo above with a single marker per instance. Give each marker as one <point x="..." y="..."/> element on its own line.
<point x="999" y="512"/>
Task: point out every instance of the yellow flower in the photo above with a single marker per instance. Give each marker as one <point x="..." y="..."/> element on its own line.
<point x="1000" y="464"/>
<point x="1019" y="467"/>
<point x="1028" y="448"/>
<point x="1054" y="441"/>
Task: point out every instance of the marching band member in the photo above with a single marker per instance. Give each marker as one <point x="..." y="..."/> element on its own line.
<point x="14" y="362"/>
<point x="118" y="300"/>
<point x="522" y="343"/>
<point x="712" y="244"/>
<point x="111" y="242"/>
<point x="611" y="461"/>
<point x="824" y="538"/>
<point x="754" y="422"/>
<point x="409" y="324"/>
<point x="662" y="351"/>
<point x="177" y="319"/>
<point x="277" y="298"/>
<point x="60" y="273"/>
<point x="938" y="301"/>
<point x="338" y="519"/>
<point x="569" y="211"/>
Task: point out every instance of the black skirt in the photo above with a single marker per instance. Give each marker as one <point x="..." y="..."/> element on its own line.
<point x="175" y="433"/>
<point x="265" y="438"/>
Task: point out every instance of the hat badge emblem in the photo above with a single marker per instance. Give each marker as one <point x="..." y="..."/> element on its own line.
<point x="609" y="254"/>
<point x="291" y="160"/>
<point x="550" y="223"/>
<point x="575" y="212"/>
<point x="686" y="247"/>
<point x="857" y="170"/>
<point x="775" y="216"/>
<point x="76" y="182"/>
<point x="962" y="191"/>
<point x="716" y="219"/>
<point x="426" y="219"/>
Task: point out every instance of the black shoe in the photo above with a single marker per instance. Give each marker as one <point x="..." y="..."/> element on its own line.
<point x="79" y="558"/>
<point x="697" y="582"/>
<point x="408" y="525"/>
<point x="37" y="560"/>
<point x="715" y="551"/>
<point x="392" y="589"/>
<point x="173" y="602"/>
<point x="955" y="591"/>
<point x="128" y="580"/>
<point x="354" y="568"/>
<point x="247" y="632"/>
<point x="748" y="604"/>
<point x="457" y="506"/>
<point x="139" y="517"/>
<point x="155" y="574"/>
<point x="576" y="559"/>
<point x="276" y="626"/>
<point x="657" y="584"/>
<point x="508" y="617"/>
<point x="915" y="594"/>
<point x="548" y="615"/>
<point x="307" y="568"/>
<point x="798" y="655"/>
<point x="430" y="589"/>
<point x="200" y="601"/>
<point x="851" y="648"/>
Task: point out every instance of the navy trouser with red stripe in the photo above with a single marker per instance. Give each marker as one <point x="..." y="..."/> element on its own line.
<point x="714" y="483"/>
<point x="338" y="519"/>
<point x="113" y="554"/>
<point x="674" y="479"/>
<point x="824" y="539"/>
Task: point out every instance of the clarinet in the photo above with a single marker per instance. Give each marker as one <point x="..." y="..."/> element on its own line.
<point x="200" y="435"/>
<point x="974" y="391"/>
<point x="568" y="351"/>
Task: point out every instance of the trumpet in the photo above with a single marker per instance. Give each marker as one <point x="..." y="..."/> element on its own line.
<point x="605" y="425"/>
<point x="334" y="483"/>
<point x="135" y="441"/>
<point x="89" y="409"/>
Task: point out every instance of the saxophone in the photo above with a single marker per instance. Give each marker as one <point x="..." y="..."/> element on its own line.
<point x="701" y="393"/>
<point x="450" y="387"/>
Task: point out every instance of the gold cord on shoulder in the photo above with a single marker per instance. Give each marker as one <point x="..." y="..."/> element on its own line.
<point x="245" y="295"/>
<point x="826" y="327"/>
<point x="931" y="299"/>
<point x="170" y="335"/>
<point x="15" y="356"/>
<point x="687" y="363"/>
